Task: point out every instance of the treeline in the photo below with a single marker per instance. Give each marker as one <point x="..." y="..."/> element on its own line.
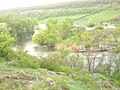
<point x="19" y="28"/>
<point x="72" y="4"/>
<point x="43" y="14"/>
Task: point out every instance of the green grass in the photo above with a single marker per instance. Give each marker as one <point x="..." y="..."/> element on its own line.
<point x="105" y="15"/>
<point x="61" y="18"/>
<point x="32" y="71"/>
<point x="107" y="12"/>
<point x="101" y="16"/>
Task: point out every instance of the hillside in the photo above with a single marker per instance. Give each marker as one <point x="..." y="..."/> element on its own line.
<point x="42" y="79"/>
<point x="79" y="11"/>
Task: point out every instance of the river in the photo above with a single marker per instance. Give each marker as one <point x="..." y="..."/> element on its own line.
<point x="40" y="51"/>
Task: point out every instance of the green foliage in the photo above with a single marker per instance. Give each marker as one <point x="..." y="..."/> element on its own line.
<point x="6" y="42"/>
<point x="4" y="27"/>
<point x="19" y="28"/>
<point x="39" y="37"/>
<point x="26" y="61"/>
<point x="99" y="27"/>
<point x="55" y="32"/>
<point x="87" y="39"/>
<point x="19" y="59"/>
<point x="65" y="69"/>
<point x="72" y="37"/>
<point x="86" y="82"/>
<point x="90" y="24"/>
<point x="63" y="62"/>
<point x="58" y="84"/>
<point x="116" y="77"/>
<point x="54" y="62"/>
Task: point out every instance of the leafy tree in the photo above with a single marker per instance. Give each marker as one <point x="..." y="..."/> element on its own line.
<point x="39" y="37"/>
<point x="50" y="36"/>
<point x="87" y="38"/>
<point x="6" y="41"/>
<point x="19" y="28"/>
<point x="65" y="27"/>
<point x="4" y="27"/>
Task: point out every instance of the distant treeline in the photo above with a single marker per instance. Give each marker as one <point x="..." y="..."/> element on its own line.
<point x="66" y="5"/>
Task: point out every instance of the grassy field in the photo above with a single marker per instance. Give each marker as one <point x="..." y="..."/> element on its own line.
<point x="84" y="15"/>
<point x="80" y="11"/>
<point x="102" y="16"/>
<point x="61" y="18"/>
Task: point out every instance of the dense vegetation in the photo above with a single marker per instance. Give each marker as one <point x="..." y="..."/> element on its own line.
<point x="67" y="67"/>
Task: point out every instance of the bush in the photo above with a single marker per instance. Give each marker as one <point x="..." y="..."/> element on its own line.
<point x="91" y="25"/>
<point x="22" y="59"/>
<point x="63" y="62"/>
<point x="27" y="61"/>
<point x="86" y="81"/>
<point x="99" y="27"/>
<point x="54" y="62"/>
<point x="65" y="69"/>
<point x="2" y="59"/>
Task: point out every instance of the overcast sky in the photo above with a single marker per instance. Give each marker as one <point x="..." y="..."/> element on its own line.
<point x="6" y="4"/>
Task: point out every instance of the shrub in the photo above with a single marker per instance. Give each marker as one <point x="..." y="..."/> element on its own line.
<point x="65" y="69"/>
<point x="99" y="27"/>
<point x="86" y="81"/>
<point x="91" y="24"/>
<point x="2" y="59"/>
<point x="25" y="60"/>
<point x="54" y="62"/>
<point x="22" y="59"/>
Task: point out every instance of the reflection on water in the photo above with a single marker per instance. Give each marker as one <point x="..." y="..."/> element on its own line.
<point x="29" y="48"/>
<point x="36" y="50"/>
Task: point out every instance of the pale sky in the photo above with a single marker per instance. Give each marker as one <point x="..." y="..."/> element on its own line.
<point x="6" y="4"/>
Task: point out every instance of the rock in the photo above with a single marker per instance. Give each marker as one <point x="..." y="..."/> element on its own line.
<point x="72" y="75"/>
<point x="104" y="82"/>
<point x="25" y="76"/>
<point x="14" y="76"/>
<point x="99" y="56"/>
<point x="105" y="46"/>
<point x="94" y="49"/>
<point x="1" y="78"/>
<point x="60" y="73"/>
<point x="50" y="81"/>
<point x="81" y="48"/>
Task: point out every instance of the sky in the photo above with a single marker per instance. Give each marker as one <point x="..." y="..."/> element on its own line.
<point x="6" y="4"/>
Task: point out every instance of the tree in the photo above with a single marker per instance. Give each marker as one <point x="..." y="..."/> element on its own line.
<point x="50" y="36"/>
<point x="6" y="42"/>
<point x="87" y="38"/>
<point x="65" y="27"/>
<point x="39" y="37"/>
<point x="4" y="27"/>
<point x="19" y="28"/>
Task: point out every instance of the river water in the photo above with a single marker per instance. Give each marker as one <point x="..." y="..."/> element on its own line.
<point x="96" y="58"/>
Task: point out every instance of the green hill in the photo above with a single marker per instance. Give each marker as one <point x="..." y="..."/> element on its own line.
<point x="78" y="11"/>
